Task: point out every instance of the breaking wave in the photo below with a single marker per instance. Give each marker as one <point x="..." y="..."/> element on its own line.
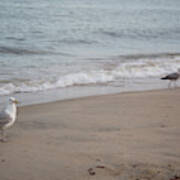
<point x="142" y="68"/>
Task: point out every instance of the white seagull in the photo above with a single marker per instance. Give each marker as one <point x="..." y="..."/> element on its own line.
<point x="8" y="116"/>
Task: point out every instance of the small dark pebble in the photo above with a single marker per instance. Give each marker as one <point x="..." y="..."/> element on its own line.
<point x="100" y="166"/>
<point x="175" y="178"/>
<point x="163" y="126"/>
<point x="169" y="166"/>
<point x="2" y="160"/>
<point x="91" y="171"/>
<point x="134" y="165"/>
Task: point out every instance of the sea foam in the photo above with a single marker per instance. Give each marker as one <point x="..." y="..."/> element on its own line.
<point x="142" y="68"/>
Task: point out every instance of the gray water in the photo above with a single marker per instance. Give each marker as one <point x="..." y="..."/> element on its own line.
<point x="59" y="45"/>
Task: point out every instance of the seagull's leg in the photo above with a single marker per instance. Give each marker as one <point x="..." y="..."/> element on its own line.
<point x="3" y="139"/>
<point x="169" y="85"/>
<point x="175" y="85"/>
<point x="1" y="134"/>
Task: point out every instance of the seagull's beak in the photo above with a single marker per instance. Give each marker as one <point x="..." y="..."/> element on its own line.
<point x="16" y="102"/>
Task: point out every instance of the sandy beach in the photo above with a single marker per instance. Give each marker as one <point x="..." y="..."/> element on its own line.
<point x="122" y="136"/>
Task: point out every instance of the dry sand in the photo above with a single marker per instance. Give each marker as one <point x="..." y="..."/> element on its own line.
<point x="123" y="136"/>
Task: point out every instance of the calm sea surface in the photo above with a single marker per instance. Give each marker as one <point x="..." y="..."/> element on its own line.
<point x="59" y="49"/>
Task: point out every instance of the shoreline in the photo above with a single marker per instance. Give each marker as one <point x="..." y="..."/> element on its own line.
<point x="76" y="92"/>
<point x="131" y="135"/>
<point x="101" y="95"/>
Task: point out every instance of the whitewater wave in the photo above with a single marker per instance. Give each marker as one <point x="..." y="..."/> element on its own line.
<point x="143" y="68"/>
<point x="81" y="78"/>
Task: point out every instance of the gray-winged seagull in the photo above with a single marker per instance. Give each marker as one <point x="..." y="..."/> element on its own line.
<point x="173" y="77"/>
<point x="8" y="116"/>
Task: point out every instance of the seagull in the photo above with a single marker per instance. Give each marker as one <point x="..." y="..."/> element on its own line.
<point x="173" y="77"/>
<point x="8" y="116"/>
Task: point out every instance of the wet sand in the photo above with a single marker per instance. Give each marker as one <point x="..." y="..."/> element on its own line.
<point x="122" y="136"/>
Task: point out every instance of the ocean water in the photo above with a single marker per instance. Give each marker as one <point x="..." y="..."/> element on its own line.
<point x="60" y="49"/>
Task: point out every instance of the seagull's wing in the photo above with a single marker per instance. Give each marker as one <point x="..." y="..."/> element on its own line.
<point x="4" y="118"/>
<point x="173" y="76"/>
